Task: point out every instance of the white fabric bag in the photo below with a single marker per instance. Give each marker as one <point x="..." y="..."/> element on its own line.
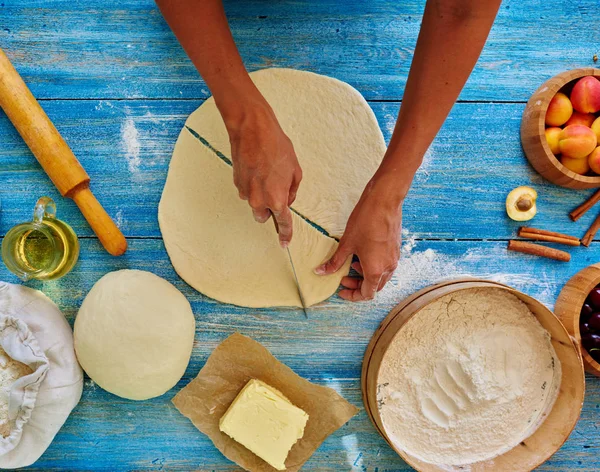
<point x="34" y="331"/>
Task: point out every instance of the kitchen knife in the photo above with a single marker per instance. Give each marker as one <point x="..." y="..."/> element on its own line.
<point x="293" y="270"/>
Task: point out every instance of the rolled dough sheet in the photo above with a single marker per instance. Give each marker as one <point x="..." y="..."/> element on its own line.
<point x="213" y="241"/>
<point x="334" y="132"/>
<point x="216" y="246"/>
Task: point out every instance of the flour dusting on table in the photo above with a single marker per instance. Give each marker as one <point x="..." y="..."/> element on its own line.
<point x="131" y="144"/>
<point x="419" y="269"/>
<point x="467" y="378"/>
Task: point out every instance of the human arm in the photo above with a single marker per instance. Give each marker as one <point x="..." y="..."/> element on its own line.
<point x="265" y="168"/>
<point x="453" y="33"/>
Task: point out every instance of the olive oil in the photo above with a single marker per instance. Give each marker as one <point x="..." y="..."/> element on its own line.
<point x="43" y="249"/>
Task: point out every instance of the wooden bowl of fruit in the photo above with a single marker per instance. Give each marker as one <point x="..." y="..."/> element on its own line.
<point x="578" y="307"/>
<point x="560" y="129"/>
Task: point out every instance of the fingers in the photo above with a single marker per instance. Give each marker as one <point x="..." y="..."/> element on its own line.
<point x="351" y="295"/>
<point x="261" y="215"/>
<point x="357" y="289"/>
<point x="284" y="222"/>
<point x="368" y="288"/>
<point x="352" y="283"/>
<point x="294" y="187"/>
<point x="357" y="267"/>
<point x="336" y="262"/>
<point x="385" y="278"/>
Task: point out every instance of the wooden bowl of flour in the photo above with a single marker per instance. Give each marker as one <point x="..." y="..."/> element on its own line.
<point x="555" y="424"/>
<point x="568" y="308"/>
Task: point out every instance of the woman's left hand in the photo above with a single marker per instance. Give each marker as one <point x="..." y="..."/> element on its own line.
<point x="373" y="233"/>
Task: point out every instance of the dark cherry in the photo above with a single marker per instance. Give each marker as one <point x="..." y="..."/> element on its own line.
<point x="595" y="355"/>
<point x="594" y="298"/>
<point x="590" y="341"/>
<point x="586" y="311"/>
<point x="584" y="328"/>
<point x="594" y="322"/>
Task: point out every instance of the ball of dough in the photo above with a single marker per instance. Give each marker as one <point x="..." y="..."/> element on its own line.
<point x="134" y="334"/>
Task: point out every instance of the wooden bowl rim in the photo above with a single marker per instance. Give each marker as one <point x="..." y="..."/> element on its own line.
<point x="550" y="84"/>
<point x="593" y="366"/>
<point x="463" y="284"/>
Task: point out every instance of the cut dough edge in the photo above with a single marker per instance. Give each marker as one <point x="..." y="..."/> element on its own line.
<point x="330" y="124"/>
<point x="227" y="160"/>
<point x="225" y="282"/>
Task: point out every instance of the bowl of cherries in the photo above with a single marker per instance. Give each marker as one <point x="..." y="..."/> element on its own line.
<point x="578" y="307"/>
<point x="589" y="324"/>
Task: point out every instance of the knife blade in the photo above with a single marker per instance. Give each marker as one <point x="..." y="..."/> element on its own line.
<point x="293" y="270"/>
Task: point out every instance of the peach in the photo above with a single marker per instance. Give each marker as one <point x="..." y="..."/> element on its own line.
<point x="579" y="166"/>
<point x="577" y="141"/>
<point x="585" y="96"/>
<point x="559" y="110"/>
<point x="552" y="135"/>
<point x="596" y="128"/>
<point x="594" y="160"/>
<point x="585" y="119"/>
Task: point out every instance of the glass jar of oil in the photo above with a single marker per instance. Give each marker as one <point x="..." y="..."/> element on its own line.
<point x="44" y="249"/>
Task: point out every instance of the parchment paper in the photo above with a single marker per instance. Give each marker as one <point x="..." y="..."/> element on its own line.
<point x="233" y="363"/>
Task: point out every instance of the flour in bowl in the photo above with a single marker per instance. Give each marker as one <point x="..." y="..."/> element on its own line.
<point x="467" y="378"/>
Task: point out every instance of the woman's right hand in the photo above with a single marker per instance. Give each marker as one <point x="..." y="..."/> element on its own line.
<point x="265" y="167"/>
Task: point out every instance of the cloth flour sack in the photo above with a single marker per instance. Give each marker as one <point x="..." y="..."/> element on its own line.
<point x="40" y="379"/>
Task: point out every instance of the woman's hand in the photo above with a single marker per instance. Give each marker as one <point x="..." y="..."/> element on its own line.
<point x="265" y="168"/>
<point x="373" y="233"/>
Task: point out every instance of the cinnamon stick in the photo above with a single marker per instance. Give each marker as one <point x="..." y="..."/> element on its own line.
<point x="538" y="250"/>
<point x="585" y="206"/>
<point x="548" y="236"/>
<point x="588" y="237"/>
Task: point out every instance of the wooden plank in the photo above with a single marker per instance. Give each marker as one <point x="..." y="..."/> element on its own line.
<point x="126" y="147"/>
<point x="108" y="433"/>
<point x="123" y="49"/>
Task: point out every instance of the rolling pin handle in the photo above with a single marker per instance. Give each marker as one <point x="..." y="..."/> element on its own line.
<point x="105" y="228"/>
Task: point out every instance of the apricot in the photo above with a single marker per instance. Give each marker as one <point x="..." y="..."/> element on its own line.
<point x="579" y="166"/>
<point x="520" y="203"/>
<point x="577" y="141"/>
<point x="585" y="96"/>
<point x="559" y="110"/>
<point x="596" y="128"/>
<point x="594" y="160"/>
<point x="552" y="135"/>
<point x="585" y="119"/>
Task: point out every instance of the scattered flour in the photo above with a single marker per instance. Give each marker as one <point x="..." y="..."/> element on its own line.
<point x="102" y="104"/>
<point x="468" y="379"/>
<point x="151" y="117"/>
<point x="390" y="124"/>
<point x="119" y="219"/>
<point x="10" y="370"/>
<point x="131" y="145"/>
<point x="416" y="270"/>
<point x="419" y="269"/>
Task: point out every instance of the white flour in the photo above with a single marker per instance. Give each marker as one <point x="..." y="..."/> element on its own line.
<point x="131" y="145"/>
<point x="10" y="370"/>
<point x="418" y="269"/>
<point x="467" y="379"/>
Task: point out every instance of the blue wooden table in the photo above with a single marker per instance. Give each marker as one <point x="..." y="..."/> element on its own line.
<point x="117" y="85"/>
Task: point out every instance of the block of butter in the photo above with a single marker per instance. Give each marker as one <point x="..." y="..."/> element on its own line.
<point x="265" y="422"/>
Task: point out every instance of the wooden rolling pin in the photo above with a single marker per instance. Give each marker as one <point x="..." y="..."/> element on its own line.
<point x="54" y="155"/>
